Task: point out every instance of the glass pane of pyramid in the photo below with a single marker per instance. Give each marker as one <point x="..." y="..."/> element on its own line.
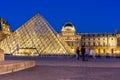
<point x="35" y="37"/>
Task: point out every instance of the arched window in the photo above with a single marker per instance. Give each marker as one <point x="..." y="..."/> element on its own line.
<point x="98" y="50"/>
<point x="112" y="50"/>
<point x="103" y="50"/>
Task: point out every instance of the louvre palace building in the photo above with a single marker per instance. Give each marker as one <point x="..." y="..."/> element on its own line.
<point x="102" y="43"/>
<point x="36" y="37"/>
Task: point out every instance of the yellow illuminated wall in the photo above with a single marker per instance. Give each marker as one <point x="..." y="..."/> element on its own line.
<point x="4" y="29"/>
<point x="102" y="43"/>
<point x="68" y="34"/>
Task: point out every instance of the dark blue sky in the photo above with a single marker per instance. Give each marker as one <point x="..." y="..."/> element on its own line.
<point x="87" y="15"/>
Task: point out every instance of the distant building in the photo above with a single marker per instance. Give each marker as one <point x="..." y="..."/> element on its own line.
<point x="68" y="34"/>
<point x="4" y="29"/>
<point x="102" y="43"/>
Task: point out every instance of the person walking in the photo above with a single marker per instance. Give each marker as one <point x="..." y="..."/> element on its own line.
<point x="78" y="53"/>
<point x="93" y="53"/>
<point x="87" y="53"/>
<point x="83" y="53"/>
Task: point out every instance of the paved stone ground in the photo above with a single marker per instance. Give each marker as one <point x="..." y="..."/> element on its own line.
<point x="67" y="68"/>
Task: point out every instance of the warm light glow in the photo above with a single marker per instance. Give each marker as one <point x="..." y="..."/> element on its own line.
<point x="35" y="37"/>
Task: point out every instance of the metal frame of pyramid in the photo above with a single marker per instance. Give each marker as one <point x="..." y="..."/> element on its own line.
<point x="35" y="37"/>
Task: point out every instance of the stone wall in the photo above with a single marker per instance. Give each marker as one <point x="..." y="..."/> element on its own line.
<point x="13" y="66"/>
<point x="1" y="55"/>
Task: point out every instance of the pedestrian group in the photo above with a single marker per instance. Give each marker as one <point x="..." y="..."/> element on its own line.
<point x="85" y="53"/>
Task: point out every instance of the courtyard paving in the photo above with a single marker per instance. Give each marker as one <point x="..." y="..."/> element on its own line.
<point x="67" y="68"/>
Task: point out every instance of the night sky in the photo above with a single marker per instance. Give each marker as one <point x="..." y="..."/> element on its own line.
<point x="88" y="16"/>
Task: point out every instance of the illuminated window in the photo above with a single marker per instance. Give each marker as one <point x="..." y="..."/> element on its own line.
<point x="94" y="44"/>
<point x="98" y="43"/>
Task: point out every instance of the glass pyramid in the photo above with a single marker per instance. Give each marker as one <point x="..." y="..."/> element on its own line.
<point x="35" y="37"/>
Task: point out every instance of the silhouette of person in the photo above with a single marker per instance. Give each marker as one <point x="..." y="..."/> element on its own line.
<point x="93" y="53"/>
<point x="87" y="53"/>
<point x="78" y="53"/>
<point x="83" y="53"/>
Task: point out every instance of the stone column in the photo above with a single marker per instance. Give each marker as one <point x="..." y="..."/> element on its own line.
<point x="1" y="55"/>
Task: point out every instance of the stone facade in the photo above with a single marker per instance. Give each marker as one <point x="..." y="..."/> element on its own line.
<point x="4" y="29"/>
<point x="2" y="55"/>
<point x="102" y="43"/>
<point x="68" y="34"/>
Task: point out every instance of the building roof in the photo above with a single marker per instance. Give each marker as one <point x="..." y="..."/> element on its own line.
<point x="68" y="27"/>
